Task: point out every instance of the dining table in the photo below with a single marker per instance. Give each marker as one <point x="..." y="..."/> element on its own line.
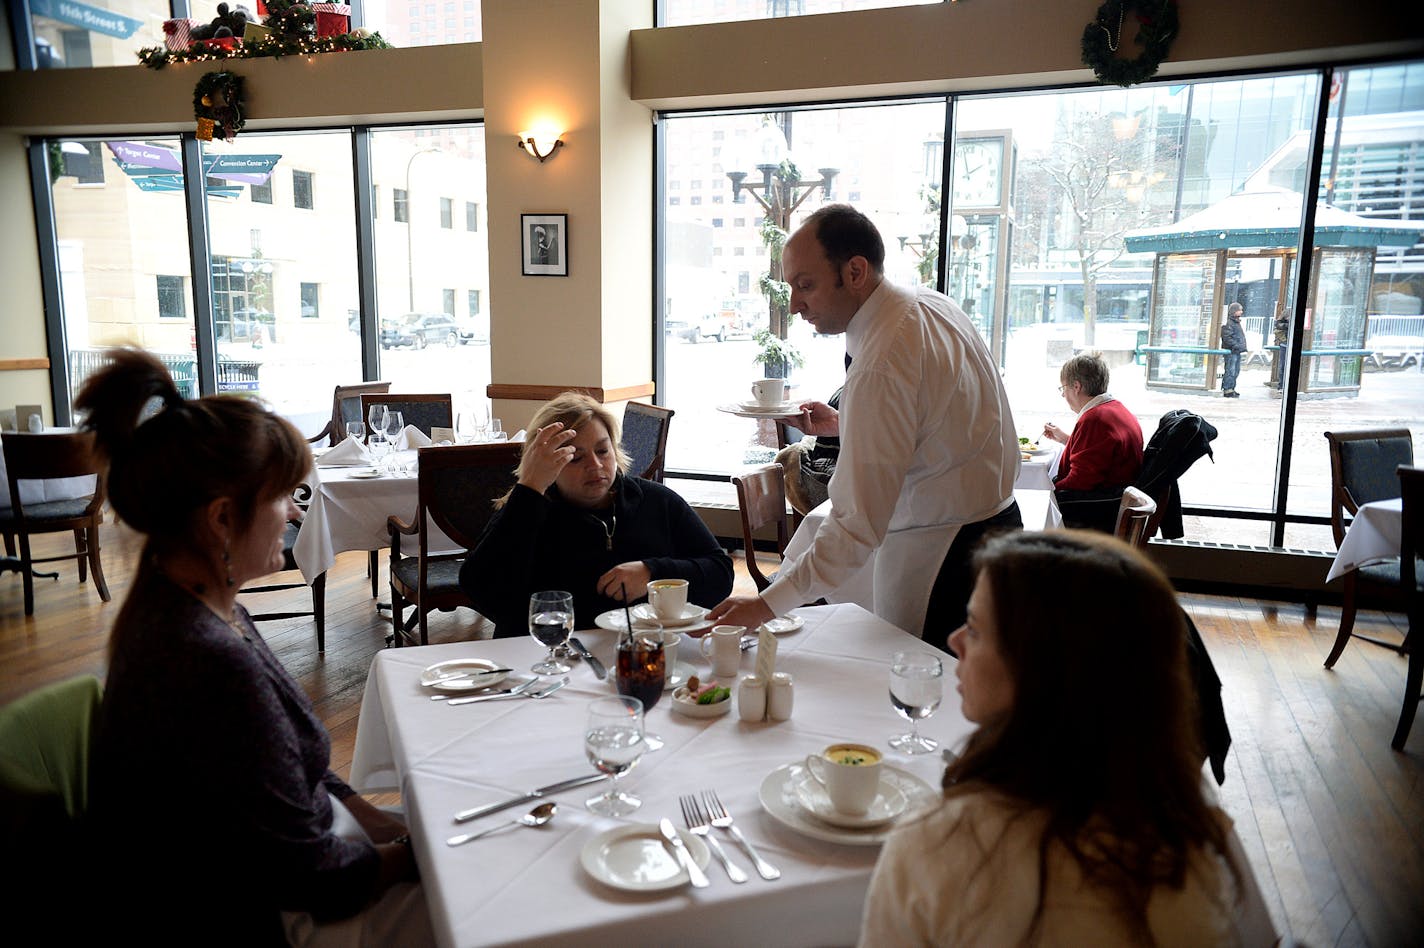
<point x="1374" y="535"/>
<point x="525" y="886"/>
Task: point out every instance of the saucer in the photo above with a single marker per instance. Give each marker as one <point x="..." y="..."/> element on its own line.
<point x="889" y="803"/>
<point x="774" y="414"/>
<point x="781" y="408"/>
<point x="636" y="858"/>
<point x="777" y="795"/>
<point x="615" y="621"/>
<point x="781" y="625"/>
<point x="690" y="613"/>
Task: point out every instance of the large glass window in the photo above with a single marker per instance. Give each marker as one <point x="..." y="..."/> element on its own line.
<point x="723" y="283"/>
<point x="412" y="25"/>
<point x="416" y="261"/>
<point x="121" y="244"/>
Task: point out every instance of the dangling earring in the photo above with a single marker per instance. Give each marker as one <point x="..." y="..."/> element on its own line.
<point x="227" y="564"/>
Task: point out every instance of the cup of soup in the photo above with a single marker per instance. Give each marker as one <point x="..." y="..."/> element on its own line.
<point x="850" y="774"/>
<point x="668" y="597"/>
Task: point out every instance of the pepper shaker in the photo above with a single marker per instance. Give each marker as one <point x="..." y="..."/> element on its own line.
<point x="779" y="697"/>
<point x="751" y="698"/>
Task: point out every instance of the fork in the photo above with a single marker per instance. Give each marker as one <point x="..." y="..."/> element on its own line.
<point x="516" y="690"/>
<point x="721" y="819"/>
<point x="697" y="823"/>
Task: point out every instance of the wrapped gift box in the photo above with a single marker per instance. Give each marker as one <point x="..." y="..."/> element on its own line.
<point x="178" y="34"/>
<point x="332" y="19"/>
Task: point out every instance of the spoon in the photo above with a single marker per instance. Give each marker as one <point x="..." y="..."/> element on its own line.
<point x="538" y="816"/>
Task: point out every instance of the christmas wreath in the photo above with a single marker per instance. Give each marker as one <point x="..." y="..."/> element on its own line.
<point x="1103" y="36"/>
<point x="217" y="103"/>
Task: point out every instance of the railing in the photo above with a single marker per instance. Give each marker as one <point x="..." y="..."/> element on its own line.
<point x="233" y="375"/>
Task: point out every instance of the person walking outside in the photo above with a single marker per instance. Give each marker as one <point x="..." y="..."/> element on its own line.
<point x="1233" y="339"/>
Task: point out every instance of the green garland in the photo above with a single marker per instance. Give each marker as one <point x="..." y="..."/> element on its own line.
<point x="274" y="46"/>
<point x="1103" y="37"/>
<point x="217" y="98"/>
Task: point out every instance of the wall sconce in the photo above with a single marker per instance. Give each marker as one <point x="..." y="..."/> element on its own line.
<point x="540" y="144"/>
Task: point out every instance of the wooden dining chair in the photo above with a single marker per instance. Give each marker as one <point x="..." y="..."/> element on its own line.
<point x="345" y="407"/>
<point x="1411" y="546"/>
<point x="1134" y="513"/>
<point x="644" y="439"/>
<point x="761" y="495"/>
<point x="457" y="487"/>
<point x="422" y="411"/>
<point x="31" y="457"/>
<point x="302" y="496"/>
<point x="1363" y="463"/>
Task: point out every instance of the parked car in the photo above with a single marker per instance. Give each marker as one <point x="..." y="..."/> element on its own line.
<point x="473" y="331"/>
<point x="419" y="330"/>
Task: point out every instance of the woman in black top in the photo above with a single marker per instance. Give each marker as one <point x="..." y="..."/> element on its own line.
<point x="576" y="521"/>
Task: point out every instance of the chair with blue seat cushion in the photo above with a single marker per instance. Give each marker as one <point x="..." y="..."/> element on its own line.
<point x="1363" y="463"/>
<point x="34" y="457"/>
<point x="644" y="439"/>
<point x="458" y="485"/>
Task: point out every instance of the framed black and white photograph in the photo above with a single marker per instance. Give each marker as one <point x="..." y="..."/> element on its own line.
<point x="546" y="244"/>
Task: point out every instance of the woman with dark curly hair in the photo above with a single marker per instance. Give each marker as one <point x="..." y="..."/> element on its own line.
<point x="212" y="792"/>
<point x="1077" y="813"/>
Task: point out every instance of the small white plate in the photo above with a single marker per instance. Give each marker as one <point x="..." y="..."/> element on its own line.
<point x="683" y="703"/>
<point x="690" y="613"/>
<point x="615" y="621"/>
<point x="778" y="798"/>
<point x="366" y="474"/>
<point x="889" y="803"/>
<point x="636" y="858"/>
<point x="431" y="677"/>
<point x="782" y="625"/>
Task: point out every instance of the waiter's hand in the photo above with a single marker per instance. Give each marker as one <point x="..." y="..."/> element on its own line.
<point x="749" y="611"/>
<point x="818" y="418"/>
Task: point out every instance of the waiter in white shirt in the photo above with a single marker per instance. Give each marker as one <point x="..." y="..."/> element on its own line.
<point x="929" y="451"/>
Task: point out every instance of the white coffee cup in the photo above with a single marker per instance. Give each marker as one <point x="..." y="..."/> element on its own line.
<point x="668" y="598"/>
<point x="670" y="639"/>
<point x="726" y="649"/>
<point x="851" y="775"/>
<point x="769" y="392"/>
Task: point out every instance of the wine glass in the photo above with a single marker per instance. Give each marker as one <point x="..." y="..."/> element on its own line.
<point x="376" y="420"/>
<point x="496" y="430"/>
<point x="613" y="741"/>
<point x="356" y="431"/>
<point x="641" y="669"/>
<point x="395" y="424"/>
<point x="551" y="620"/>
<point x="467" y="429"/>
<point x="916" y="688"/>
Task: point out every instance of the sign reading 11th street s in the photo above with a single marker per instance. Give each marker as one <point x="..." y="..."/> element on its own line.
<point x="93" y="19"/>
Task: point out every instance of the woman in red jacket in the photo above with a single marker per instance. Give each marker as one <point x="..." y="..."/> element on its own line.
<point x="1104" y="451"/>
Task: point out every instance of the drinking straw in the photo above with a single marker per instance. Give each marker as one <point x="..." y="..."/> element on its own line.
<point x="627" y="613"/>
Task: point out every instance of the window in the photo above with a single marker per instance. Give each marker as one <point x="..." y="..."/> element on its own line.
<point x="447" y="301"/>
<point x="82" y="161"/>
<point x="473" y="298"/>
<point x="400" y="209"/>
<point x="472" y="216"/>
<point x="261" y="193"/>
<point x="447" y="213"/>
<point x="302" y="190"/>
<point x="171" y="298"/>
<point x="311" y="301"/>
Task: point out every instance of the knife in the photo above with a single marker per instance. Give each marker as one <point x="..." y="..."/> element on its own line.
<point x="465" y="816"/>
<point x="594" y="664"/>
<point x="477" y="673"/>
<point x="679" y="848"/>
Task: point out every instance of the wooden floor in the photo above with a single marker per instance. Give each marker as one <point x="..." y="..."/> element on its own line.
<point x="1331" y="818"/>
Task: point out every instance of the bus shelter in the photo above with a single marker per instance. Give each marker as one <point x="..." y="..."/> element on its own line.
<point x="1244" y="249"/>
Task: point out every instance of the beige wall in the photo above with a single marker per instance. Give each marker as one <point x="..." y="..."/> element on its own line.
<point x="22" y="318"/>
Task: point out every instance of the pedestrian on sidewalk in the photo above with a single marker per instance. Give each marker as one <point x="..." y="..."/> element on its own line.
<point x="1233" y="339"/>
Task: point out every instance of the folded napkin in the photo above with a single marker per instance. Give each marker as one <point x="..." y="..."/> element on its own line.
<point x="349" y="453"/>
<point x="411" y="438"/>
<point x="517" y="436"/>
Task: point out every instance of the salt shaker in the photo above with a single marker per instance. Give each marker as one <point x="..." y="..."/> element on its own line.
<point x="779" y="697"/>
<point x="751" y="698"/>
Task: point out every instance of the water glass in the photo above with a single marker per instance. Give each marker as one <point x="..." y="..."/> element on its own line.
<point x="916" y="689"/>
<point x="496" y="430"/>
<point x="356" y="430"/>
<point x="613" y="741"/>
<point x="551" y="621"/>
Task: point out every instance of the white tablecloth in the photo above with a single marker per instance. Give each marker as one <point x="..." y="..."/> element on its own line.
<point x="40" y="492"/>
<point x="1374" y="535"/>
<point x="349" y="513"/>
<point x="527" y="886"/>
<point x="1038" y="508"/>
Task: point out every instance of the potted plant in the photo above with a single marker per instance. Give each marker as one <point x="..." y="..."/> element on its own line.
<point x="777" y="356"/>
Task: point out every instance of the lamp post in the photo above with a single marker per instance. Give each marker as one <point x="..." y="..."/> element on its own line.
<point x="926" y="250"/>
<point x="410" y="230"/>
<point x="780" y="192"/>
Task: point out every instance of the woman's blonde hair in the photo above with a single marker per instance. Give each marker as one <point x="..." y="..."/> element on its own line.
<point x="573" y="410"/>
